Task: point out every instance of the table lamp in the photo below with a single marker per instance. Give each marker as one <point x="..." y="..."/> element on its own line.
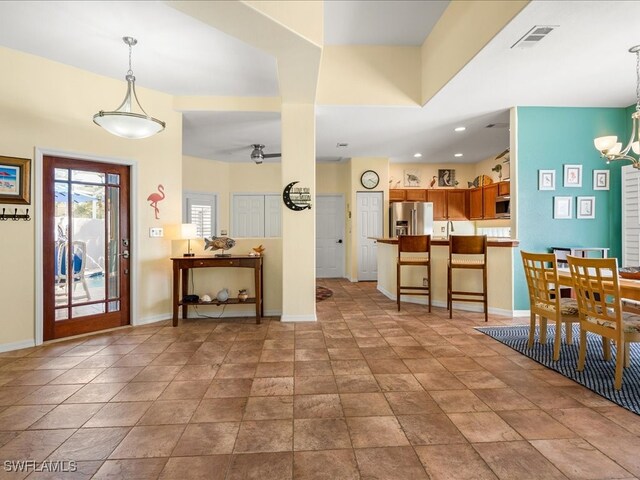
<point x="189" y="231"/>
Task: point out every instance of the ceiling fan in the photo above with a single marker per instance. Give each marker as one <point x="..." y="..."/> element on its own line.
<point x="257" y="155"/>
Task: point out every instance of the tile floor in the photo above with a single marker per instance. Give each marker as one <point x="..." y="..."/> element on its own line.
<point x="366" y="392"/>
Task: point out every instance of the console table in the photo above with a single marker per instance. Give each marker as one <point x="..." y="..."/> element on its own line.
<point x="182" y="265"/>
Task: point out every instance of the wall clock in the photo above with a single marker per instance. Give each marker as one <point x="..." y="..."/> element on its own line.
<point x="369" y="179"/>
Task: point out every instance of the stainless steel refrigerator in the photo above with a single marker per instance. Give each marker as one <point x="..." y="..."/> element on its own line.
<point x="410" y="218"/>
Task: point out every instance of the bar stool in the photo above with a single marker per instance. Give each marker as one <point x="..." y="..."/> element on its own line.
<point x="468" y="245"/>
<point x="413" y="244"/>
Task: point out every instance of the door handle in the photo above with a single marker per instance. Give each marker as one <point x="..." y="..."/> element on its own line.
<point x="125" y="254"/>
<point x="339" y="241"/>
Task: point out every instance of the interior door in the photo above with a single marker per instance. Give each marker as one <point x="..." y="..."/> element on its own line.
<point x="370" y="220"/>
<point x="85" y="246"/>
<point x="329" y="236"/>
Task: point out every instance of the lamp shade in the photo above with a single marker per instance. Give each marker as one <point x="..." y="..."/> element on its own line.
<point x="128" y="125"/>
<point x="605" y="143"/>
<point x="188" y="231"/>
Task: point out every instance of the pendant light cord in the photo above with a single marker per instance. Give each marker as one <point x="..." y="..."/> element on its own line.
<point x="637" y="81"/>
<point x="130" y="72"/>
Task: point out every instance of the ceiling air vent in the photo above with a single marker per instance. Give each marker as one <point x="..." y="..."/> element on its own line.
<point x="533" y="36"/>
<point x="341" y="145"/>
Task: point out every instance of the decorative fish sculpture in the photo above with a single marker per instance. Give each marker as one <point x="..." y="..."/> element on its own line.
<point x="219" y="243"/>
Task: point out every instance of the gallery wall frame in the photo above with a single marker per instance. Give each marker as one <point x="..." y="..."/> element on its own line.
<point x="562" y="208"/>
<point x="586" y="207"/>
<point x="572" y="176"/>
<point x="601" y="179"/>
<point x="15" y="180"/>
<point x="546" y="179"/>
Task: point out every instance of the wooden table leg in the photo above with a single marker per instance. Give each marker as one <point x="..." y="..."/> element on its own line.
<point x="185" y="290"/>
<point x="176" y="293"/>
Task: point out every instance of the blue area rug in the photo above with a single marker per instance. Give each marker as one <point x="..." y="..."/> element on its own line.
<point x="597" y="374"/>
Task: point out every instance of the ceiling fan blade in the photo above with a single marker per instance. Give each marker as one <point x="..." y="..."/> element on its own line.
<point x="271" y="155"/>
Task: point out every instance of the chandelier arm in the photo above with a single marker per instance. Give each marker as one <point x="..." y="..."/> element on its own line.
<point x="632" y="139"/>
<point x="125" y="106"/>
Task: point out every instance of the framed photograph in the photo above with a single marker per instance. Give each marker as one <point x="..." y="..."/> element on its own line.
<point x="562" y="208"/>
<point x="546" y="179"/>
<point x="15" y="180"/>
<point x="573" y="176"/>
<point x="412" y="177"/>
<point x="601" y="179"/>
<point x="446" y="177"/>
<point x="586" y="207"/>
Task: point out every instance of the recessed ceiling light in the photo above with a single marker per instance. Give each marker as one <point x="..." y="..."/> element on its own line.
<point x="457" y="155"/>
<point x="459" y="129"/>
<point x="417" y="155"/>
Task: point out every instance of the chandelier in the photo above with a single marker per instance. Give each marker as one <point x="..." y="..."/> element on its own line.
<point x="122" y="121"/>
<point x="608" y="146"/>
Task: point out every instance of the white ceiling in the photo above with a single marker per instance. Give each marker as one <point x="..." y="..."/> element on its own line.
<point x="583" y="63"/>
<point x="380" y="22"/>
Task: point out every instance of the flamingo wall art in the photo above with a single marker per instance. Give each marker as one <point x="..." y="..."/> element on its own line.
<point x="154" y="198"/>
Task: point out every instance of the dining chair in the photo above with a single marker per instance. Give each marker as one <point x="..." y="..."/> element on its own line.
<point x="467" y="252"/>
<point x="595" y="281"/>
<point x="418" y="244"/>
<point x="541" y="272"/>
<point x="77" y="267"/>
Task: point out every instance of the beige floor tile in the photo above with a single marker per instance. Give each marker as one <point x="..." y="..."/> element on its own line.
<point x="315" y="385"/>
<point x="317" y="406"/>
<point x="269" y="408"/>
<point x="272" y="386"/>
<point x="265" y="436"/>
<point x="483" y="427"/>
<point x="67" y="416"/>
<point x="34" y="445"/>
<point x="431" y="429"/>
<point x="328" y="464"/>
<point x="365" y="404"/>
<point x="21" y="417"/>
<point x="211" y="467"/>
<point x="149" y="441"/>
<point x="193" y="390"/>
<point x="390" y="463"/>
<point x="320" y="434"/>
<point x="517" y="460"/>
<point x="96" y="393"/>
<point x="136" y="469"/>
<point x="119" y="414"/>
<point x="454" y="462"/>
<point x="452" y="401"/>
<point x="229" y="388"/>
<point x="220" y="410"/>
<point x="140" y="392"/>
<point x="503" y="399"/>
<point x="261" y="466"/>
<point x="411" y="403"/>
<point x="207" y="439"/>
<point x="535" y="424"/>
<point x="169" y="412"/>
<point x="274" y="369"/>
<point x="90" y="444"/>
<point x="376" y="432"/>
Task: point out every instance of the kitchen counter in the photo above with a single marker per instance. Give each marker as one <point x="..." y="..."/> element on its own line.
<point x="500" y="260"/>
<point x="443" y="241"/>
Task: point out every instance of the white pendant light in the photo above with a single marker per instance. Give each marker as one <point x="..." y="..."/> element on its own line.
<point x="123" y="122"/>
<point x="608" y="146"/>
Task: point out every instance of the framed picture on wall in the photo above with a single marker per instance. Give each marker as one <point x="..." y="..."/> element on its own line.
<point x="573" y="176"/>
<point x="562" y="208"/>
<point x="586" y="207"/>
<point x="546" y="179"/>
<point x="601" y="179"/>
<point x="15" y="180"/>
<point x="446" y="177"/>
<point x="412" y="177"/>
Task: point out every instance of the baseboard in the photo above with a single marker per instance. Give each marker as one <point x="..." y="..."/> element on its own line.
<point x="152" y="319"/>
<point x="298" y="318"/>
<point x="522" y="313"/>
<point x="467" y="307"/>
<point x="9" y="347"/>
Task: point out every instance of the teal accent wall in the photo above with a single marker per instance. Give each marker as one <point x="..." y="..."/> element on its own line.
<point x="548" y="139"/>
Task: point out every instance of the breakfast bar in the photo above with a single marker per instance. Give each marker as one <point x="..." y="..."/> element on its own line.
<point x="500" y="274"/>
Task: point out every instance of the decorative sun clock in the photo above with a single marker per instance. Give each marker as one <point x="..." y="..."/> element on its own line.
<point x="369" y="179"/>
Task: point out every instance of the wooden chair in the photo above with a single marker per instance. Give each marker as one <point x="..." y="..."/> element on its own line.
<point x="467" y="252"/>
<point x="541" y="272"/>
<point x="595" y="281"/>
<point x="413" y="244"/>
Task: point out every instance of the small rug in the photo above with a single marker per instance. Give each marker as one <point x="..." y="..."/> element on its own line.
<point x="322" y="293"/>
<point x="597" y="375"/>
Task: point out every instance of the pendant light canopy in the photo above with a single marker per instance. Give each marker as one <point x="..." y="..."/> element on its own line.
<point x="123" y="122"/>
<point x="609" y="147"/>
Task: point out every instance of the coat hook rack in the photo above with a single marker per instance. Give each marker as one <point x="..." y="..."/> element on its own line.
<point x="14" y="216"/>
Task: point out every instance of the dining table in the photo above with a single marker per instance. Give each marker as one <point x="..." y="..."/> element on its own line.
<point x="629" y="289"/>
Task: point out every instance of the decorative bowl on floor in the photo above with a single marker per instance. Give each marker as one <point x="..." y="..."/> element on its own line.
<point x="631" y="273"/>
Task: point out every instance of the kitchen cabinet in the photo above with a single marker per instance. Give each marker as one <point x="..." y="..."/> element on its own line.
<point x="415" y="195"/>
<point x="504" y="188"/>
<point x="489" y="195"/>
<point x="457" y="205"/>
<point x="475" y="203"/>
<point x="439" y="200"/>
<point x="396" y="195"/>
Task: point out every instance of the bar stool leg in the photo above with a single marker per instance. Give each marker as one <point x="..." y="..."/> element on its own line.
<point x="429" y="283"/>
<point x="449" y="282"/>
<point x="484" y="291"/>
<point x="398" y="283"/>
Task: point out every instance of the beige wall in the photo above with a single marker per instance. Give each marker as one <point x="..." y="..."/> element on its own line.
<point x="49" y="105"/>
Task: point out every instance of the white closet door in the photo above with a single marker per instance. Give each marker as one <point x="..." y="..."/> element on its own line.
<point x="248" y="216"/>
<point x="630" y="216"/>
<point x="272" y="222"/>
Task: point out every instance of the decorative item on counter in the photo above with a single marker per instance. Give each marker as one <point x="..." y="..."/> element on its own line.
<point x="242" y="295"/>
<point x="258" y="250"/>
<point x="433" y="181"/>
<point x="219" y="243"/>
<point x="456" y="183"/>
<point x="205" y="298"/>
<point x="412" y="177"/>
<point x="480" y="181"/>
<point x="223" y="295"/>
<point x="498" y="168"/>
<point x="446" y="177"/>
<point x="154" y="198"/>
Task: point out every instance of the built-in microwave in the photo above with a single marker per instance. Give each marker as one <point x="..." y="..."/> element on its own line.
<point x="503" y="207"/>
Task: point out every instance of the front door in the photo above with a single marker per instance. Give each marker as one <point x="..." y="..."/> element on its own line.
<point x="86" y="246"/>
<point x="329" y="236"/>
<point x="370" y="219"/>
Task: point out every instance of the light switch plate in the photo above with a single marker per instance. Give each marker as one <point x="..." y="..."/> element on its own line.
<point x="155" y="232"/>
